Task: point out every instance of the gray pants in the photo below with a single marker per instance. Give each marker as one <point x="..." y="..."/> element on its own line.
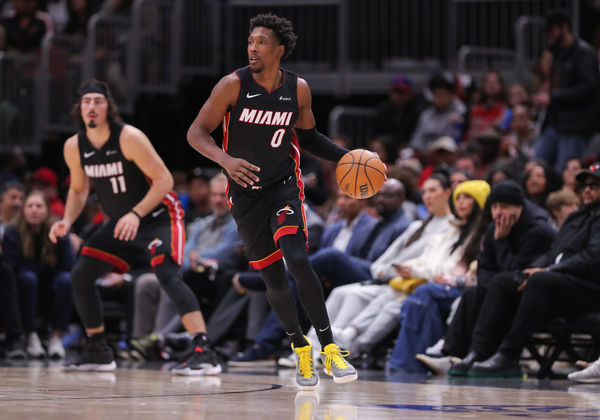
<point x="154" y="311"/>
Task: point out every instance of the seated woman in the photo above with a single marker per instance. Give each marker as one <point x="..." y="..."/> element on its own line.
<point x="40" y="267"/>
<point x="361" y="314"/>
<point x="423" y="313"/>
<point x="539" y="181"/>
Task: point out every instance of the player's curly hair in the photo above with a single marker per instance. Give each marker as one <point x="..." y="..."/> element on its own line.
<point x="283" y="28"/>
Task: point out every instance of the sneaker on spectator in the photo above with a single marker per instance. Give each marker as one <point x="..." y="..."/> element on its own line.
<point x="438" y="365"/>
<point x="254" y="355"/>
<point x="436" y="349"/>
<point x="34" y="346"/>
<point x="336" y="365"/>
<point x="147" y="347"/>
<point x="202" y="361"/>
<point x="288" y="361"/>
<point x="94" y="358"/>
<point x="590" y="374"/>
<point x="15" y="348"/>
<point x="55" y="347"/>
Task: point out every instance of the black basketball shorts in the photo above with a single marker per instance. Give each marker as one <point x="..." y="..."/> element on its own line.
<point x="160" y="234"/>
<point x="265" y="215"/>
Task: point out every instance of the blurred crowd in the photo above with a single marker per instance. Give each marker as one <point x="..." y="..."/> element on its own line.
<point x="482" y="177"/>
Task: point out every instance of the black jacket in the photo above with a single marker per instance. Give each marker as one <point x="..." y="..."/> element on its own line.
<point x="575" y="91"/>
<point x="578" y="245"/>
<point x="529" y="238"/>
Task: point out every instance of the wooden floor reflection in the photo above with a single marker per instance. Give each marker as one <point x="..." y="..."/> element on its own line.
<point x="49" y="393"/>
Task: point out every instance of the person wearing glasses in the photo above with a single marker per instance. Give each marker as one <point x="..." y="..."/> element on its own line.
<point x="563" y="282"/>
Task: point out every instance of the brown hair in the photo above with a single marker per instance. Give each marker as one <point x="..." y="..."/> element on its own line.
<point x="561" y="198"/>
<point x="112" y="115"/>
<point x="26" y="233"/>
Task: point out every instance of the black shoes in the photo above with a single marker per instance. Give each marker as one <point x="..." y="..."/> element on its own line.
<point x="461" y="368"/>
<point x="497" y="366"/>
<point x="94" y="358"/>
<point x="203" y="360"/>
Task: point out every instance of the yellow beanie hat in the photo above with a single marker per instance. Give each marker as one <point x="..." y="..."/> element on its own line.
<point x="477" y="189"/>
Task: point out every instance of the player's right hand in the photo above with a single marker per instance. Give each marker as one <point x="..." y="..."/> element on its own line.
<point x="58" y="230"/>
<point x="241" y="171"/>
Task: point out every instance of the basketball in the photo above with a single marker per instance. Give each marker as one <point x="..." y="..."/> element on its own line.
<point x="360" y="173"/>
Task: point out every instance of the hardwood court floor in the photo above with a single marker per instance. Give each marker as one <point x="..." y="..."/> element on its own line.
<point x="42" y="392"/>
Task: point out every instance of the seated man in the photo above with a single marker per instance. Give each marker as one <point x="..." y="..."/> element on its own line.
<point x="561" y="282"/>
<point x="518" y="234"/>
<point x="211" y="249"/>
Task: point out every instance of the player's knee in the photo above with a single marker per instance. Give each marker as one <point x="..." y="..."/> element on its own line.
<point x="167" y="271"/>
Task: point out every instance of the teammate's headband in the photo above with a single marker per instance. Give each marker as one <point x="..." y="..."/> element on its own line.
<point x="94" y="89"/>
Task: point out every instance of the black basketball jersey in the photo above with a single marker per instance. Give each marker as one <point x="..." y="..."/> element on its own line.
<point x="259" y="127"/>
<point x="119" y="183"/>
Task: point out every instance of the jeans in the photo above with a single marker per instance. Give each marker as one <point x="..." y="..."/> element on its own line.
<point x="339" y="268"/>
<point x="59" y="286"/>
<point x="422" y="319"/>
<point x="556" y="148"/>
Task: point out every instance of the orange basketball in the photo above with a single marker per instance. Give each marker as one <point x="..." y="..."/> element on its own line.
<point x="360" y="173"/>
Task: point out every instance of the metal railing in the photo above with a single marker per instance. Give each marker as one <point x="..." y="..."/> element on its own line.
<point x="320" y="52"/>
<point x="529" y="41"/>
<point x="18" y="103"/>
<point x="357" y="123"/>
<point x="154" y="51"/>
<point x="106" y="56"/>
<point x="490" y="23"/>
<point x="201" y="37"/>
<point x="59" y="79"/>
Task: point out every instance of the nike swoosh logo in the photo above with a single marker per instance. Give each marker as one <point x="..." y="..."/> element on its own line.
<point x="157" y="212"/>
<point x="252" y="96"/>
<point x="88" y="154"/>
<point x="324" y="329"/>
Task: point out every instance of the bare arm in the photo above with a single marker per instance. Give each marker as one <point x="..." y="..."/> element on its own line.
<point x="78" y="190"/>
<point x="222" y="98"/>
<point x="137" y="148"/>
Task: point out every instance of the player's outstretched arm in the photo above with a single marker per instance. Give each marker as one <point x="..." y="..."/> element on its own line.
<point x="78" y="190"/>
<point x="310" y="139"/>
<point x="222" y="98"/>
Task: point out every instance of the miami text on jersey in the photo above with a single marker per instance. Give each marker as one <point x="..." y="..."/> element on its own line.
<point x="261" y="117"/>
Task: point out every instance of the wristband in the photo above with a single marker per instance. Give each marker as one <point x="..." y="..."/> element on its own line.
<point x="136" y="213"/>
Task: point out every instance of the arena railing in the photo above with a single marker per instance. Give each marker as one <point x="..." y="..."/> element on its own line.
<point x="475" y="61"/>
<point x="106" y="56"/>
<point x="357" y="123"/>
<point x="201" y="36"/>
<point x="154" y="57"/>
<point x="59" y="79"/>
<point x="18" y="101"/>
<point x="491" y="23"/>
<point x="529" y="39"/>
<point x="320" y="54"/>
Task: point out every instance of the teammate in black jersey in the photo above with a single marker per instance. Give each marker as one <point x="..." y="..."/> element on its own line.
<point x="134" y="188"/>
<point x="267" y="116"/>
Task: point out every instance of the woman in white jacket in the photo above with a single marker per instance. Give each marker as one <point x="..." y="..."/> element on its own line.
<point x="445" y="265"/>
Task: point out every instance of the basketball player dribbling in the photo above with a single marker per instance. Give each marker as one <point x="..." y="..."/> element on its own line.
<point x="134" y="188"/>
<point x="267" y="117"/>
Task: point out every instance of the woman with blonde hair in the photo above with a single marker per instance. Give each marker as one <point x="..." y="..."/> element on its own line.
<point x="41" y="268"/>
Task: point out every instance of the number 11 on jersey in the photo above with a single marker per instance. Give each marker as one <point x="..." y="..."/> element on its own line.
<point x="118" y="184"/>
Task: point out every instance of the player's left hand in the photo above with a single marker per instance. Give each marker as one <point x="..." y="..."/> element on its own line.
<point x="127" y="227"/>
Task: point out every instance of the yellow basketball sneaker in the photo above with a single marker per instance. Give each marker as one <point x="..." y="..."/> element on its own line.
<point x="306" y="374"/>
<point x="336" y="365"/>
